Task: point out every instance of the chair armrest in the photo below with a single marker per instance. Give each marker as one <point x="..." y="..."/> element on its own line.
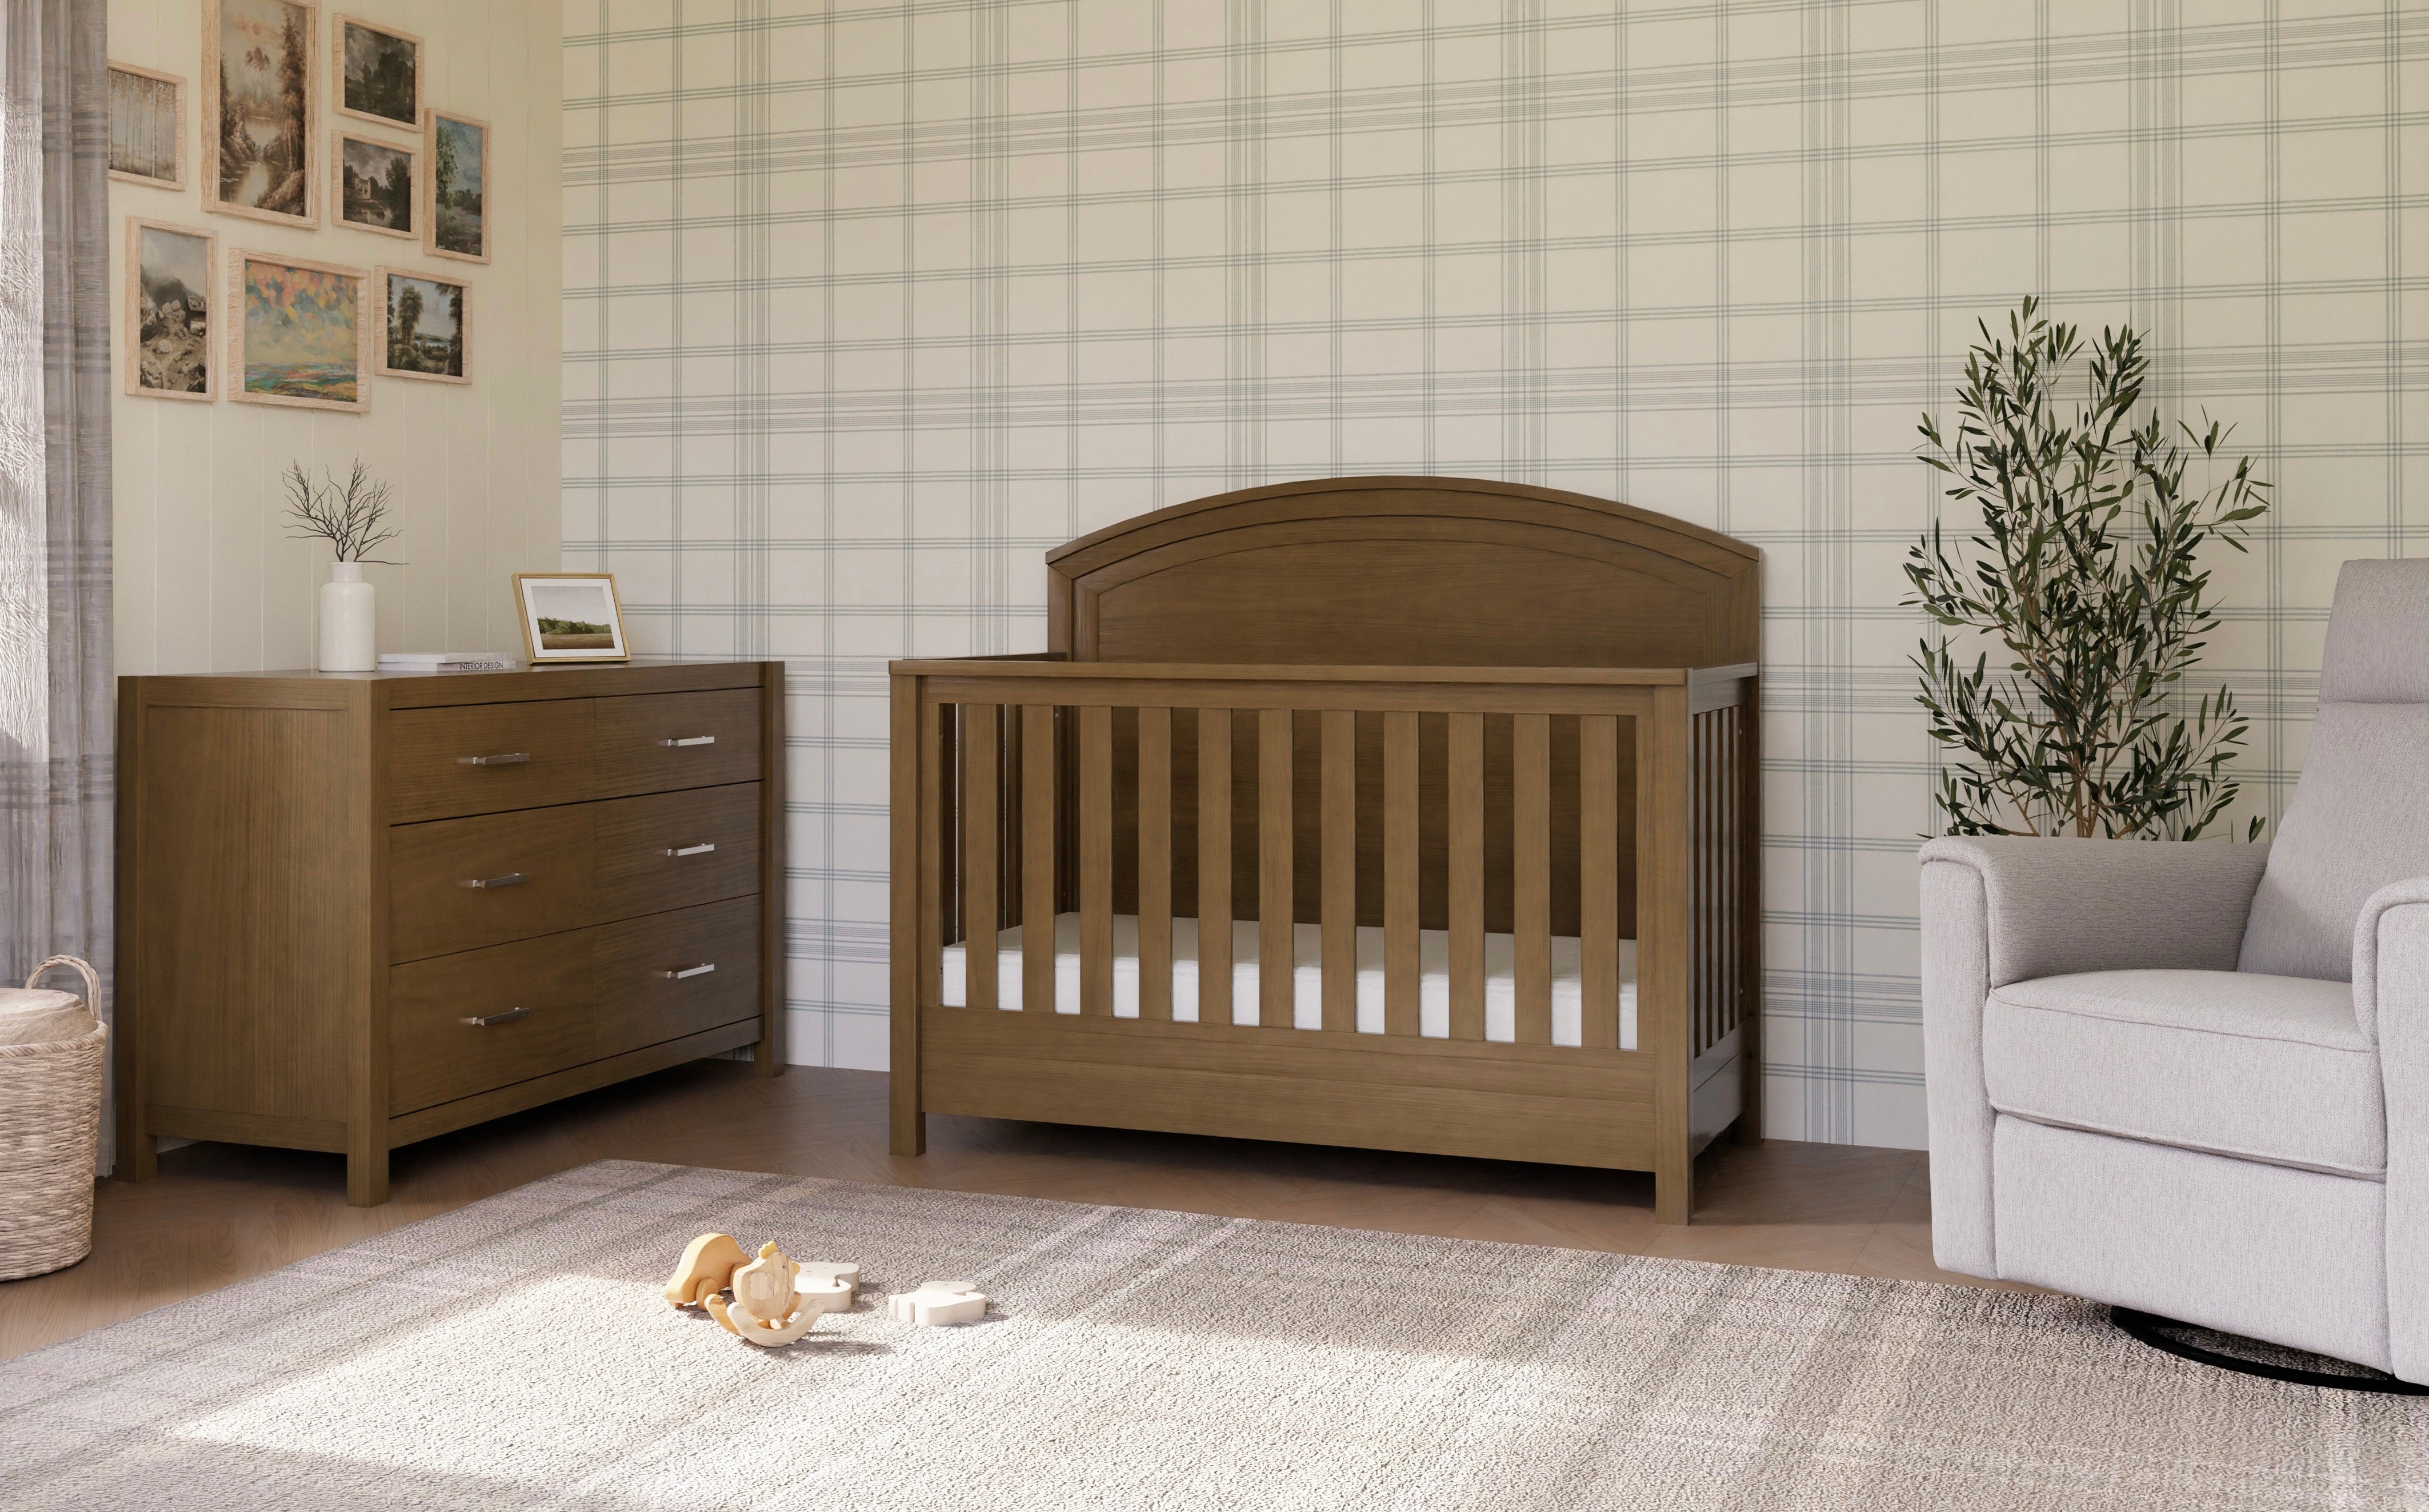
<point x="2392" y="1002"/>
<point x="1999" y="909"/>
<point x="2052" y="906"/>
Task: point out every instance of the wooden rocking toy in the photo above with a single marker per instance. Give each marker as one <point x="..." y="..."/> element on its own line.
<point x="776" y="1300"/>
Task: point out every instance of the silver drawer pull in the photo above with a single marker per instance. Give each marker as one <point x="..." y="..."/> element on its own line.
<point x="512" y="758"/>
<point x="692" y="740"/>
<point x="510" y="879"/>
<point x="693" y="850"/>
<point x="680" y="972"/>
<point x="482" y="1021"/>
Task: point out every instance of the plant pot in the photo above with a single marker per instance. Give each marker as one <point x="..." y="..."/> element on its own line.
<point x="349" y="621"/>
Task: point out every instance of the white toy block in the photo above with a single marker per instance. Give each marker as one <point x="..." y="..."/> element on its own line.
<point x="821" y="1276"/>
<point x="938" y="1302"/>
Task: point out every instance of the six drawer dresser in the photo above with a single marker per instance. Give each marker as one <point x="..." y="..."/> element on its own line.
<point x="358" y="909"/>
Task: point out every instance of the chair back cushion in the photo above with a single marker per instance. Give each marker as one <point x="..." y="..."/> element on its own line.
<point x="2360" y="819"/>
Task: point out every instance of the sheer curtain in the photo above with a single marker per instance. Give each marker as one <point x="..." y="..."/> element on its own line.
<point x="58" y="718"/>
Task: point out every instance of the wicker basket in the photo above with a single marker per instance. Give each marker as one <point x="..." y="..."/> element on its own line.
<point x="52" y="1056"/>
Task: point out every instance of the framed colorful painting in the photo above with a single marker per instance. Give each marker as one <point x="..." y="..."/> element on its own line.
<point x="300" y="332"/>
<point x="261" y="111"/>
<point x="454" y="205"/>
<point x="170" y="289"/>
<point x="426" y="330"/>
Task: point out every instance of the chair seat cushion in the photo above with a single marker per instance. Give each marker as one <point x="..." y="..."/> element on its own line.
<point x="2266" y="1068"/>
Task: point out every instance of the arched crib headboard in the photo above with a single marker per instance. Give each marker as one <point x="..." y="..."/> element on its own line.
<point x="1411" y="571"/>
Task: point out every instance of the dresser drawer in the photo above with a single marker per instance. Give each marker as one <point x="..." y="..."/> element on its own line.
<point x="536" y="996"/>
<point x="459" y="884"/>
<point x="487" y="758"/>
<point x="566" y="1000"/>
<point x="660" y="742"/>
<point x="545" y="870"/>
<point x="650" y="983"/>
<point x="673" y="849"/>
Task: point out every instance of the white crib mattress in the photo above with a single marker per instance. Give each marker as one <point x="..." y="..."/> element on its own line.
<point x="1307" y="978"/>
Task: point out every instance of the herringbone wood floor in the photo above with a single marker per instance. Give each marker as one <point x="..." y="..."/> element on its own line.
<point x="219" y="1213"/>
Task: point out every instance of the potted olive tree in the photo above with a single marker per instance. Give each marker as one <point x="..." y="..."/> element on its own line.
<point x="2085" y="577"/>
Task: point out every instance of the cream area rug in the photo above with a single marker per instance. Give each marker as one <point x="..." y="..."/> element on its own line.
<point x="517" y="1353"/>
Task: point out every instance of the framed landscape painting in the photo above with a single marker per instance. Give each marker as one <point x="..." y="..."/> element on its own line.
<point x="300" y="333"/>
<point x="168" y="287"/>
<point x="379" y="71"/>
<point x="426" y="330"/>
<point x="570" y="617"/>
<point x="261" y="115"/>
<point x="147" y="127"/>
<point x="372" y="182"/>
<point x="454" y="206"/>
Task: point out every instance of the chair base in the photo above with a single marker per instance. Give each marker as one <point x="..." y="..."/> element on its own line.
<point x="2152" y="1331"/>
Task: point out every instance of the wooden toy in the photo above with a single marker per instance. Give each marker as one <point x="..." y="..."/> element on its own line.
<point x="707" y="1266"/>
<point x="766" y="1309"/>
<point x="938" y="1302"/>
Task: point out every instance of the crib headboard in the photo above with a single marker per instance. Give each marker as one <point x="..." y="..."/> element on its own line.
<point x="1415" y="571"/>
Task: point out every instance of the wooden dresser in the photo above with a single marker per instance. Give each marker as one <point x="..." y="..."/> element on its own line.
<point x="356" y="909"/>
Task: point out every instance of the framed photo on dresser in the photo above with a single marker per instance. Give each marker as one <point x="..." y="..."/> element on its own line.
<point x="570" y="617"/>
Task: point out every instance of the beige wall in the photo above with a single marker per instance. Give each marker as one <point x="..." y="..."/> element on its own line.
<point x="206" y="579"/>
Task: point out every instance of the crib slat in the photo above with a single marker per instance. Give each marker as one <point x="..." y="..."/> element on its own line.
<point x="1598" y="880"/>
<point x="1097" y="860"/>
<point x="1466" y="780"/>
<point x="979" y="798"/>
<point x="1531" y="817"/>
<point x="1274" y="902"/>
<point x="930" y="932"/>
<point x="1214" y="866"/>
<point x="1402" y="1001"/>
<point x="1155" y="862"/>
<point x="1340" y="815"/>
<point x="1037" y="859"/>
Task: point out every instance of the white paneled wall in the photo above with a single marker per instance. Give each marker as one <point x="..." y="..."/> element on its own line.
<point x="208" y="580"/>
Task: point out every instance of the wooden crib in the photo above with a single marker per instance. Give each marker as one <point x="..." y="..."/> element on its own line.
<point x="1482" y="761"/>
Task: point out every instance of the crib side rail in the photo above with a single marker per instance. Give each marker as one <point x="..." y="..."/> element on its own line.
<point x="1007" y="778"/>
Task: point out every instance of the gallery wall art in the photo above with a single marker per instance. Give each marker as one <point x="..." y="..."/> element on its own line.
<point x="455" y="220"/>
<point x="147" y="127"/>
<point x="371" y="184"/>
<point x="168" y="295"/>
<point x="302" y="333"/>
<point x="379" y="71"/>
<point x="426" y="330"/>
<point x="261" y="116"/>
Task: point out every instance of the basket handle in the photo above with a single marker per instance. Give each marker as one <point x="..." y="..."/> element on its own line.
<point x="91" y="978"/>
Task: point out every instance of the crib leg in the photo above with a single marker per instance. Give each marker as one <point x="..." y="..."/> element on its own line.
<point x="908" y="1131"/>
<point x="1673" y="1195"/>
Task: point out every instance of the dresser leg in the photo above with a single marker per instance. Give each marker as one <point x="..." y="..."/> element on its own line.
<point x="138" y="1158"/>
<point x="366" y="1178"/>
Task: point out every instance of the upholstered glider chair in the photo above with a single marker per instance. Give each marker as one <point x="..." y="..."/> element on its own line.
<point x="2193" y="1079"/>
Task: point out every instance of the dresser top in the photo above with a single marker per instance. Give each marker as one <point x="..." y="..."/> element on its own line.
<point x="424" y="688"/>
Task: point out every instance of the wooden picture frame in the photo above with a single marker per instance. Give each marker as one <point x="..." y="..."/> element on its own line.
<point x="305" y="376"/>
<point x="384" y="345"/>
<point x="341" y="97"/>
<point x="575" y="645"/>
<point x="172" y="354"/>
<point x="339" y="215"/>
<point x="217" y="18"/>
<point x="123" y="143"/>
<point x="436" y="235"/>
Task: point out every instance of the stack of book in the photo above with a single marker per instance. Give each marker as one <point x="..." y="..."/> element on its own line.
<point x="445" y="662"/>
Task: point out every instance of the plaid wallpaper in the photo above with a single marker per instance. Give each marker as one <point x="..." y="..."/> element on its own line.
<point x="867" y="305"/>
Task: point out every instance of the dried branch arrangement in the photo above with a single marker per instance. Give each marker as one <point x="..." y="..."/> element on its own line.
<point x="2085" y="572"/>
<point x="352" y="517"/>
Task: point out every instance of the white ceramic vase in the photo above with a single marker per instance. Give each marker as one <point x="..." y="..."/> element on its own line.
<point x="349" y="621"/>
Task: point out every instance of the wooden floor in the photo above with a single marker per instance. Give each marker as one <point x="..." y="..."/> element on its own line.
<point x="219" y="1213"/>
